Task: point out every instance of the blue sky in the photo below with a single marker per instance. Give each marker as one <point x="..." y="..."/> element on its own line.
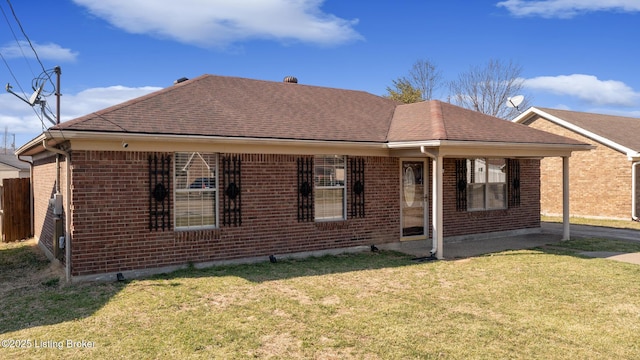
<point x="576" y="54"/>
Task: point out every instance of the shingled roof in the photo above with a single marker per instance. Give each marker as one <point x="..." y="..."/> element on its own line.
<point x="233" y="107"/>
<point x="12" y="161"/>
<point x="237" y="107"/>
<point x="436" y="120"/>
<point x="618" y="129"/>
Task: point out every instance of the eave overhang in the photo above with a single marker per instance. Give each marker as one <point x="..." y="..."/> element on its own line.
<point x="449" y="148"/>
<point x="109" y="141"/>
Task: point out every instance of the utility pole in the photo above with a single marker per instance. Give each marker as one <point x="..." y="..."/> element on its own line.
<point x="6" y="133"/>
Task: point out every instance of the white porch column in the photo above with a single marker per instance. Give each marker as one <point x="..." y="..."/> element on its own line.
<point x="437" y="204"/>
<point x="565" y="199"/>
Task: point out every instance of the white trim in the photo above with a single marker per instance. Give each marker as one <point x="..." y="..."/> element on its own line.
<point x="575" y="128"/>
<point x="216" y="214"/>
<point x="325" y="187"/>
<point x="447" y="148"/>
<point x="438" y="205"/>
<point x="634" y="190"/>
<point x="486" y="184"/>
<point x="425" y="200"/>
<point x="566" y="232"/>
<point x="161" y="142"/>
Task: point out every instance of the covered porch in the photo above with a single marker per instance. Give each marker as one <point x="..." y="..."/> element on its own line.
<point x="441" y="133"/>
<point x="436" y="152"/>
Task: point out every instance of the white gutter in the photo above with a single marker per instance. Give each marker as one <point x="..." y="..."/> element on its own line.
<point x="634" y="191"/>
<point x="119" y="136"/>
<point x="67" y="217"/>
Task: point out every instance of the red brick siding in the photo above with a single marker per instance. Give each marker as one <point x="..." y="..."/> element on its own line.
<point x="525" y="216"/>
<point x="44" y="183"/>
<point x="599" y="180"/>
<point x="110" y="227"/>
<point x="110" y="204"/>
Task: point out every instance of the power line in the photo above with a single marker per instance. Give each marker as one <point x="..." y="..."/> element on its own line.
<point x="25" y="35"/>
<point x="43" y="77"/>
<point x="21" y="51"/>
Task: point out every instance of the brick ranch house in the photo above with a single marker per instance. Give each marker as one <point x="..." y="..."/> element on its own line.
<point x="604" y="182"/>
<point x="221" y="169"/>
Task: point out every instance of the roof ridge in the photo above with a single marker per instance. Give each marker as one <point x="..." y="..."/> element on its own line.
<point x="104" y="112"/>
<point x="437" y="120"/>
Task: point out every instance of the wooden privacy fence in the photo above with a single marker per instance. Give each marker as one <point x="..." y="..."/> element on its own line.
<point x="15" y="209"/>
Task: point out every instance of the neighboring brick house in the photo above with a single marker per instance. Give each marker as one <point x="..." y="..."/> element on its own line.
<point x="604" y="181"/>
<point x="220" y="169"/>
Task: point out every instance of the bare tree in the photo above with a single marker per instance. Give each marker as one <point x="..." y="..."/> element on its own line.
<point x="423" y="79"/>
<point x="426" y="77"/>
<point x="487" y="89"/>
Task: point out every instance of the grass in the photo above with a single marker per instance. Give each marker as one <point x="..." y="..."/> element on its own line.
<point x="545" y="303"/>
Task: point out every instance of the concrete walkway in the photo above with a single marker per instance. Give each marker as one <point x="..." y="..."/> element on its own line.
<point x="551" y="233"/>
<point x="586" y="231"/>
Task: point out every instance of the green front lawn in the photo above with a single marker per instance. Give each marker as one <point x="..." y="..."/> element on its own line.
<point x="545" y="304"/>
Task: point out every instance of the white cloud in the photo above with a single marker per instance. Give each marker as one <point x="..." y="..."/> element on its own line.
<point x="587" y="88"/>
<point x="566" y="8"/>
<point x="218" y="23"/>
<point x="94" y="99"/>
<point x="48" y="51"/>
<point x="20" y="118"/>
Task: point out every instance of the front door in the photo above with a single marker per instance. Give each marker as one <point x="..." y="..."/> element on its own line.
<point x="414" y="198"/>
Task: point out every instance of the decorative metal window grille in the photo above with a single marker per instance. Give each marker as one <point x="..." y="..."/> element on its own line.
<point x="513" y="168"/>
<point x="159" y="185"/>
<point x="232" y="191"/>
<point x="357" y="187"/>
<point x="305" y="189"/>
<point x="461" y="184"/>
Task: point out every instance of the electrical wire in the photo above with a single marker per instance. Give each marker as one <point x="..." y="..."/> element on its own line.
<point x="21" y="51"/>
<point x="38" y="81"/>
<point x="25" y="35"/>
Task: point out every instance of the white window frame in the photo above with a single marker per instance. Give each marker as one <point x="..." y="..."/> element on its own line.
<point x="196" y="191"/>
<point x="318" y="186"/>
<point x="486" y="185"/>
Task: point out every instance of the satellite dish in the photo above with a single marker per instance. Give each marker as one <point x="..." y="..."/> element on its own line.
<point x="514" y="102"/>
<point x="36" y="94"/>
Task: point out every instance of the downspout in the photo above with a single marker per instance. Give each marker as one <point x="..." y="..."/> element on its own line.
<point x="634" y="191"/>
<point x="31" y="229"/>
<point x="67" y="217"/>
<point x="434" y="239"/>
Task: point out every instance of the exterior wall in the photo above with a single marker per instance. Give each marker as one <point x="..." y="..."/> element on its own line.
<point x="44" y="187"/>
<point x="12" y="173"/>
<point x="110" y="203"/>
<point x="525" y="216"/>
<point x="110" y="231"/>
<point x="599" y="180"/>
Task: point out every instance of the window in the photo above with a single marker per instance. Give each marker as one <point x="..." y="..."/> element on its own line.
<point x="329" y="184"/>
<point x="196" y="196"/>
<point x="486" y="184"/>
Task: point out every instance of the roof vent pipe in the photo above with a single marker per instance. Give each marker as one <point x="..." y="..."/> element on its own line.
<point x="291" y="79"/>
